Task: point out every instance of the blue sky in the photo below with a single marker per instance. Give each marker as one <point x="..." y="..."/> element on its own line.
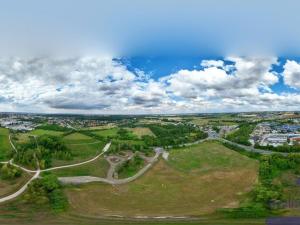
<point x="157" y="56"/>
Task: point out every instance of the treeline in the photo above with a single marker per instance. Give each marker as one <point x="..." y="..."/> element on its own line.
<point x="47" y="190"/>
<point x="281" y="148"/>
<point x="54" y="127"/>
<point x="42" y="150"/>
<point x="242" y="135"/>
<point x="267" y="195"/>
<point x="166" y="135"/>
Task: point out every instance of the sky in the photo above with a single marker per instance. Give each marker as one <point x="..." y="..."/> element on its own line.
<point x="150" y="56"/>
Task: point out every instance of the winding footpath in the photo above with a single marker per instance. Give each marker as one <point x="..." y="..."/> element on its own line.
<point x="21" y="190"/>
<point x="38" y="171"/>
<point x="110" y="180"/>
<point x="105" y="149"/>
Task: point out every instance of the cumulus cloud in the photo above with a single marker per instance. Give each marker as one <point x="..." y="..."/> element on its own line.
<point x="103" y="85"/>
<point x="250" y="75"/>
<point x="291" y="74"/>
<point x="212" y="63"/>
<point x="83" y="83"/>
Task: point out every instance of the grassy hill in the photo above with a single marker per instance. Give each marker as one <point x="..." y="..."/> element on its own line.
<point x="183" y="186"/>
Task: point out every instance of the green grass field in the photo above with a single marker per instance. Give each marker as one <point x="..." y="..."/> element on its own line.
<point x="97" y="168"/>
<point x="5" y="147"/>
<point x="140" y="131"/>
<point x="206" y="157"/>
<point x="81" y="152"/>
<point x="24" y="137"/>
<point x="40" y="132"/>
<point x="176" y="188"/>
<point x="78" y="138"/>
<point x="107" y="132"/>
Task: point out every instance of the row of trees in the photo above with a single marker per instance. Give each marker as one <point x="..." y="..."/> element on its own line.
<point x="267" y="195"/>
<point x="281" y="148"/>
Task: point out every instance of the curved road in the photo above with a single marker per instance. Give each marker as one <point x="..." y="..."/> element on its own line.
<point x="256" y="150"/>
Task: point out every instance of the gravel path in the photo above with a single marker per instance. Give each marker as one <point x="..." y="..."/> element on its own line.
<point x="38" y="171"/>
<point x="21" y="190"/>
<point x="106" y="147"/>
<point x="110" y="180"/>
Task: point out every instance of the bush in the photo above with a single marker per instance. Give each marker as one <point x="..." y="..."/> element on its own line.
<point x="47" y="190"/>
<point x="9" y="172"/>
<point x="250" y="211"/>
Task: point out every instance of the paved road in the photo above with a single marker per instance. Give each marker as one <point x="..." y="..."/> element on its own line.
<point x="252" y="149"/>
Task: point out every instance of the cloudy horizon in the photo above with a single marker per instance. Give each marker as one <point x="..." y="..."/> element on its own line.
<point x="143" y="57"/>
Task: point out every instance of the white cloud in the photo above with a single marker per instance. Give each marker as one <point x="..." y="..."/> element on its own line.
<point x="250" y="75"/>
<point x="291" y="74"/>
<point x="75" y="84"/>
<point x="102" y="85"/>
<point x="212" y="63"/>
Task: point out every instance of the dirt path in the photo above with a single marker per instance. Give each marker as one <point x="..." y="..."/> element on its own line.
<point x="12" y="144"/>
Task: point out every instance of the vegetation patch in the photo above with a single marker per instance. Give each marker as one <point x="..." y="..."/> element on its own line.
<point x="107" y="132"/>
<point x="11" y="179"/>
<point x="141" y="131"/>
<point x="47" y="190"/>
<point x="272" y="193"/>
<point x="40" y="132"/>
<point x="97" y="168"/>
<point x="5" y="147"/>
<point x="242" y="135"/>
<point x="78" y="138"/>
<point x="42" y="150"/>
<point x="172" y="135"/>
<point x="131" y="167"/>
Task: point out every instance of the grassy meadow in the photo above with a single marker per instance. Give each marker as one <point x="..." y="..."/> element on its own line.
<point x="178" y="187"/>
<point x="97" y="168"/>
<point x="5" y="147"/>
